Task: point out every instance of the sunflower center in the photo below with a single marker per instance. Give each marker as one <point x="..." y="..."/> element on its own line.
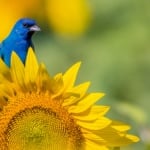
<point x="40" y="127"/>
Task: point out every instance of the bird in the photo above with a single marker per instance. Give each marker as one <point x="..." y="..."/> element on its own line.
<point x="19" y="40"/>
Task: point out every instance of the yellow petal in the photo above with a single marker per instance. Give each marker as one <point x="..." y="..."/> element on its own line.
<point x="85" y="103"/>
<point x="90" y="145"/>
<point x="132" y="138"/>
<point x="43" y="79"/>
<point x="4" y="69"/>
<point x="98" y="124"/>
<point x="3" y="102"/>
<point x="58" y="84"/>
<point x="17" y="69"/>
<point x="88" y="134"/>
<point x="80" y="90"/>
<point x="120" y="126"/>
<point x="92" y="114"/>
<point x="3" y="79"/>
<point x="70" y="76"/>
<point x="31" y="67"/>
<point x="6" y="89"/>
<point x="122" y="140"/>
<point x="119" y="138"/>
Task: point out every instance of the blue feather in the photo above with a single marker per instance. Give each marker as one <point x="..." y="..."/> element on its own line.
<point x="19" y="40"/>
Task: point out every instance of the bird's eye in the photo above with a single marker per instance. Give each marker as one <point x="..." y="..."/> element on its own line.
<point x="25" y="25"/>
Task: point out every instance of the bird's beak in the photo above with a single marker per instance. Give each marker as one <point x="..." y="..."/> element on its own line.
<point x="35" y="28"/>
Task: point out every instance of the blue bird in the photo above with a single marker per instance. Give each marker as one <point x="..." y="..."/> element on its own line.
<point x="19" y="40"/>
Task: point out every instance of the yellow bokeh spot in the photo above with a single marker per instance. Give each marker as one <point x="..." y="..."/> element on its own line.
<point x="11" y="11"/>
<point x="68" y="17"/>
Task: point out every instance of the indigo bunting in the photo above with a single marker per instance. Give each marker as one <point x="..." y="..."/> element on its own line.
<point x="19" y="40"/>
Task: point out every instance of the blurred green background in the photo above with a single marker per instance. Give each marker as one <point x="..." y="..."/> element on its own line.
<point x="114" y="47"/>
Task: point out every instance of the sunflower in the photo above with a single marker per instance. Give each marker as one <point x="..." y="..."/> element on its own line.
<point x="40" y="112"/>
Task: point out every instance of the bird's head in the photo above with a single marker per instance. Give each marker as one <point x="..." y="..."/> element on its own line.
<point x="26" y="27"/>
